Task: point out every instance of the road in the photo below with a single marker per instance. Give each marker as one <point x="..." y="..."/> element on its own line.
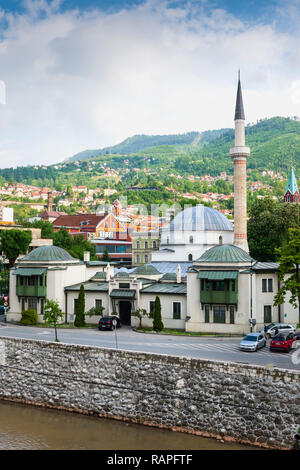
<point x="214" y="348"/>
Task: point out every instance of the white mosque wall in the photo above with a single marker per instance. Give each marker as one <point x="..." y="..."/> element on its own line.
<point x="90" y="302"/>
<point x="185" y="243"/>
<point x="166" y="301"/>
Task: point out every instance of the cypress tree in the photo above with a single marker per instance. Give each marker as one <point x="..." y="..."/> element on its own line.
<point x="157" y="321"/>
<point x="80" y="311"/>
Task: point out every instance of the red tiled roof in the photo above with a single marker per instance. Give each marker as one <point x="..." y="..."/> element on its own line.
<point x="79" y="221"/>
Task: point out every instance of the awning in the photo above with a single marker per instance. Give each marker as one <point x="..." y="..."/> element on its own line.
<point x="217" y="275"/>
<point x="122" y="294"/>
<point x="29" y="271"/>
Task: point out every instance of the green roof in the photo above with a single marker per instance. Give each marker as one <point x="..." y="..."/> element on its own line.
<point x="48" y="253"/>
<point x="99" y="275"/>
<point x="217" y="275"/>
<point x="225" y="254"/>
<point x="146" y="269"/>
<point x="89" y="287"/>
<point x="291" y="185"/>
<point x="123" y="293"/>
<point x="29" y="271"/>
<point x="165" y="288"/>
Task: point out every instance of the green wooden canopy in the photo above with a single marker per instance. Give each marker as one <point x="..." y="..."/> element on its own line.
<point x="217" y="275"/>
<point x="29" y="271"/>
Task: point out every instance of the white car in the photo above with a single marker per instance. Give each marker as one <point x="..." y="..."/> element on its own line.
<point x="281" y="327"/>
<point x="253" y="342"/>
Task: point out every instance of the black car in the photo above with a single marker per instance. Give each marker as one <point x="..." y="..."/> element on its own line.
<point x="106" y="323"/>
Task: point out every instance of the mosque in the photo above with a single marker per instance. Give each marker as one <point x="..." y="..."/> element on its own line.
<point x="202" y="272"/>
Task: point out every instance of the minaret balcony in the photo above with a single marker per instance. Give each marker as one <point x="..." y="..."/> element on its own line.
<point x="240" y="152"/>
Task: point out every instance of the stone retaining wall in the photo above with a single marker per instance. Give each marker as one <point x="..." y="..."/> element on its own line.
<point x="231" y="401"/>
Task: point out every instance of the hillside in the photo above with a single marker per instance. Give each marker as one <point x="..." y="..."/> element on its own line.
<point x="274" y="144"/>
<point x="137" y="143"/>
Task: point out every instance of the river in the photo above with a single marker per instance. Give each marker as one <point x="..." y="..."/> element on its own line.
<point x="25" y="427"/>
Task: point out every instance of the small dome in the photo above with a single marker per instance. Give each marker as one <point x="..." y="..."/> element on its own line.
<point x="48" y="253"/>
<point x="146" y="269"/>
<point x="225" y="254"/>
<point x="199" y="218"/>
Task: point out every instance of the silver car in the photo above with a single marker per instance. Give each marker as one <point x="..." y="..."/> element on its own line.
<point x="281" y="327"/>
<point x="253" y="342"/>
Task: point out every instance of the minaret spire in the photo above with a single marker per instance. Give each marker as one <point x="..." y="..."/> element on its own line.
<point x="239" y="154"/>
<point x="239" y="106"/>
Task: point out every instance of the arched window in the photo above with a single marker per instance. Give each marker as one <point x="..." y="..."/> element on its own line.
<point x="154" y="244"/>
<point x="190" y="257"/>
<point x="220" y="240"/>
<point x="191" y="239"/>
<point x="137" y="245"/>
<point x="146" y="245"/>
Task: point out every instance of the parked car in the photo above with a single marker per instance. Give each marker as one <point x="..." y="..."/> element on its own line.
<point x="253" y="342"/>
<point x="282" y="342"/>
<point x="297" y="335"/>
<point x="106" y="323"/>
<point x="282" y="328"/>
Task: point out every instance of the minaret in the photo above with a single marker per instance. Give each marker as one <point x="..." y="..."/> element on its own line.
<point x="239" y="153"/>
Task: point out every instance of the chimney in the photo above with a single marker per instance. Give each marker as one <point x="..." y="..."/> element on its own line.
<point x="86" y="256"/>
<point x="50" y="201"/>
<point x="108" y="272"/>
<point x="178" y="274"/>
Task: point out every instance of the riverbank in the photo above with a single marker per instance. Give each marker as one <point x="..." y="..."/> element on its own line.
<point x="242" y="403"/>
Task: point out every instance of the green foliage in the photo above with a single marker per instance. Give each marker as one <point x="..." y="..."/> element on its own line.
<point x="76" y="245"/>
<point x="289" y="270"/>
<point x="80" y="310"/>
<point x="4" y="281"/>
<point x="52" y="314"/>
<point x="268" y="227"/>
<point x="140" y="313"/>
<point x="29" y="317"/>
<point x="95" y="311"/>
<point x="105" y="256"/>
<point x="14" y="242"/>
<point x="47" y="230"/>
<point x="157" y="320"/>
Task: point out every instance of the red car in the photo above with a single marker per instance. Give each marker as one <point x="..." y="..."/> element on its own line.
<point x="282" y="342"/>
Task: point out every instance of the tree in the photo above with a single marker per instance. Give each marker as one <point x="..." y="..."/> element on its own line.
<point x="105" y="256"/>
<point x="140" y="313"/>
<point x="80" y="309"/>
<point x="268" y="226"/>
<point x="289" y="271"/>
<point x="14" y="243"/>
<point x="52" y="314"/>
<point x="157" y="321"/>
<point x="47" y="230"/>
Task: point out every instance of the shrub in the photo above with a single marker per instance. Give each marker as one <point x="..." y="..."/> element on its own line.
<point x="29" y="317"/>
<point x="79" y="318"/>
<point x="95" y="311"/>
<point x="157" y="321"/>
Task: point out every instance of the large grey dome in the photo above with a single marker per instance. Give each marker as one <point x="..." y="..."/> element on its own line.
<point x="48" y="253"/>
<point x="199" y="218"/>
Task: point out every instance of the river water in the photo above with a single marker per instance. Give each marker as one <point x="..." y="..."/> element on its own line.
<point x="29" y="427"/>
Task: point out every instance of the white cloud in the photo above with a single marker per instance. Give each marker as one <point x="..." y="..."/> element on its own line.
<point x="79" y="80"/>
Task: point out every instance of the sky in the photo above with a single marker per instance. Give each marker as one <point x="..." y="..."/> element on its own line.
<point x="86" y="74"/>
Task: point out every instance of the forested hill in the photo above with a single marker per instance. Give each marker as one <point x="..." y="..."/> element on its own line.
<point x="274" y="145"/>
<point x="137" y="143"/>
